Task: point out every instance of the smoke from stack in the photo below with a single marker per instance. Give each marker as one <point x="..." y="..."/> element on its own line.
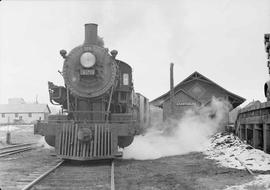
<point x="190" y="133"/>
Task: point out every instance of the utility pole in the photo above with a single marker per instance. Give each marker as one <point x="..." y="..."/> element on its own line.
<point x="171" y="90"/>
<point x="267" y="49"/>
<point x="36" y="99"/>
<point x="8" y="137"/>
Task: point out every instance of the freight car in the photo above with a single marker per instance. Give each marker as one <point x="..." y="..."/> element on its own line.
<point x="253" y="122"/>
<point x="100" y="110"/>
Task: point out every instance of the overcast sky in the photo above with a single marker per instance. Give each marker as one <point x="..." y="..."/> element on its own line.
<point x="223" y="40"/>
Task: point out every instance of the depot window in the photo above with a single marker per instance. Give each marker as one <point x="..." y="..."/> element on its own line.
<point x="29" y="114"/>
<point x="16" y="114"/>
<point x="3" y="115"/>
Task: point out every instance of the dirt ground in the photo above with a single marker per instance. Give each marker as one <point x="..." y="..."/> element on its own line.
<point x="15" y="169"/>
<point x="19" y="134"/>
<point x="186" y="172"/>
<point x="183" y="172"/>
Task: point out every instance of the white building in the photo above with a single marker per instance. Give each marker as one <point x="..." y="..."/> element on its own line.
<point x="21" y="112"/>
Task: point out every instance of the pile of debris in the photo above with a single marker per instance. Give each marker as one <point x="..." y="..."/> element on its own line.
<point x="231" y="152"/>
<point x="260" y="182"/>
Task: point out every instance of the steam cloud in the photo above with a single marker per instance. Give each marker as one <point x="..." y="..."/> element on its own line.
<point x="42" y="143"/>
<point x="190" y="133"/>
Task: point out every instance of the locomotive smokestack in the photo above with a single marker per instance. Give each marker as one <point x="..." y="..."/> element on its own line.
<point x="90" y="33"/>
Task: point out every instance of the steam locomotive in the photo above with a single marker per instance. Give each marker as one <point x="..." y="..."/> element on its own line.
<point x="253" y="121"/>
<point x="100" y="110"/>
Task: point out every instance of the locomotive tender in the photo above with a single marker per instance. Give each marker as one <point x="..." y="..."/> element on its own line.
<point x="253" y="121"/>
<point x="101" y="111"/>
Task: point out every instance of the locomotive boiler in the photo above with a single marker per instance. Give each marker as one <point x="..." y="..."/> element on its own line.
<point x="100" y="110"/>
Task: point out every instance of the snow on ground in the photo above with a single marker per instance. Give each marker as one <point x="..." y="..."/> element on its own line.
<point x="15" y="127"/>
<point x="226" y="149"/>
<point x="43" y="143"/>
<point x="8" y="128"/>
<point x="260" y="182"/>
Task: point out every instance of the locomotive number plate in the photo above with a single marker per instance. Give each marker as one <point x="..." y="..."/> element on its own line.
<point x="87" y="71"/>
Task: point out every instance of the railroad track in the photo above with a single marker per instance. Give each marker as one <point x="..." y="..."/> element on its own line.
<point x="76" y="175"/>
<point x="14" y="149"/>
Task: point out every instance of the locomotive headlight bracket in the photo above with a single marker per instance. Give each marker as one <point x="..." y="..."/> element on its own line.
<point x="87" y="59"/>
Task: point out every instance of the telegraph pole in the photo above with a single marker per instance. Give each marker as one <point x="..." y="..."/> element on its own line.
<point x="171" y="90"/>
<point x="267" y="49"/>
<point x="8" y="137"/>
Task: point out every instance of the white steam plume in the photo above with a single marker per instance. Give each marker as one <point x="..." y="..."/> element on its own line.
<point x="42" y="143"/>
<point x="190" y="133"/>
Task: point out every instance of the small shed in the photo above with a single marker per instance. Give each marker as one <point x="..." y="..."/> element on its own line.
<point x="194" y="90"/>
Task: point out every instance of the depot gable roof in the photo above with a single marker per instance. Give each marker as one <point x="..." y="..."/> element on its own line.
<point x="237" y="100"/>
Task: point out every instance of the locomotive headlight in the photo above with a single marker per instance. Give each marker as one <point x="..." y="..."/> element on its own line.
<point x="87" y="59"/>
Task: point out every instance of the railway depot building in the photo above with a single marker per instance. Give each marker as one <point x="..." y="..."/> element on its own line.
<point x="18" y="111"/>
<point x="195" y="90"/>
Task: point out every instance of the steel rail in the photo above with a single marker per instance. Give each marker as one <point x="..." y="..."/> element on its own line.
<point x="14" y="149"/>
<point x="16" y="145"/>
<point x="30" y="185"/>
<point x="112" y="176"/>
<point x="37" y="180"/>
<point x="10" y="152"/>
